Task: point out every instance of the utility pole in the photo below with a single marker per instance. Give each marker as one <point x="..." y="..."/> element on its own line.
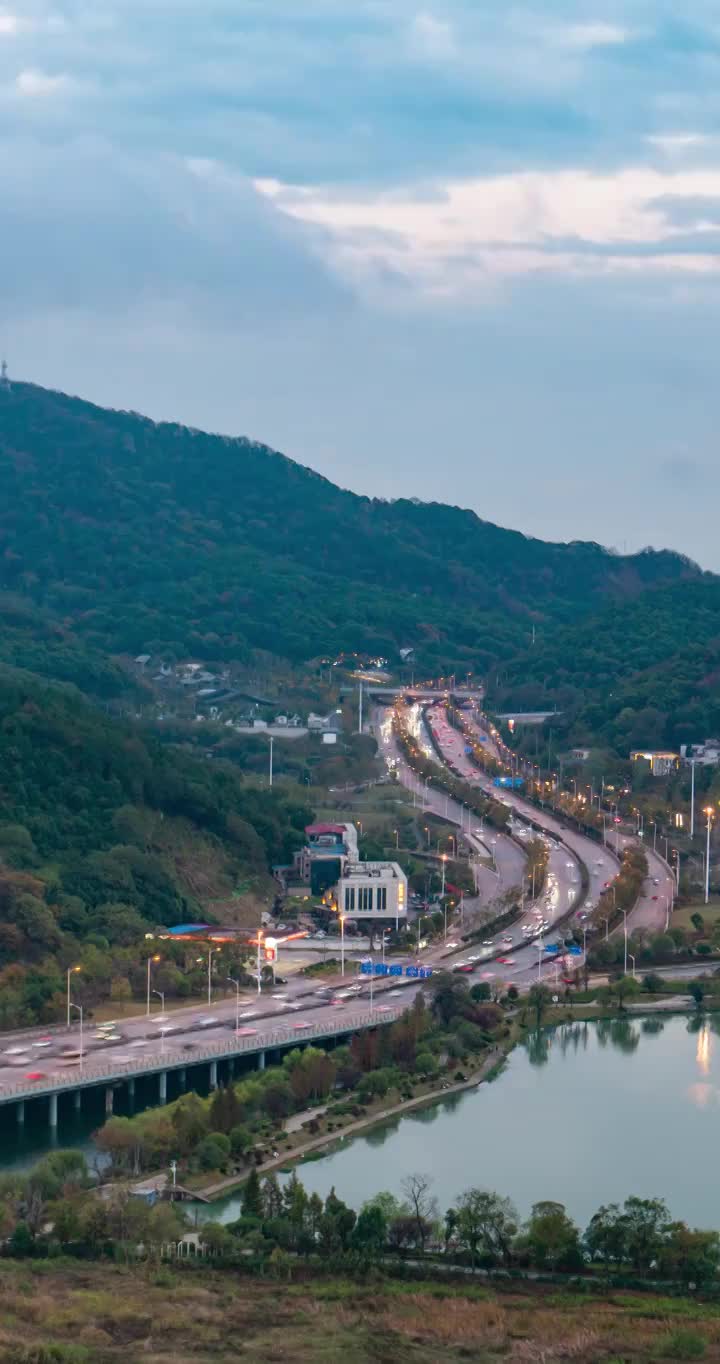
<point x="360" y="708"/>
<point x="271" y="760"/>
<point x="692" y="797"/>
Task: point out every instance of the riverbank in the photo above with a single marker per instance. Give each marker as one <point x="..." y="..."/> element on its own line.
<point x="326" y="1141"/>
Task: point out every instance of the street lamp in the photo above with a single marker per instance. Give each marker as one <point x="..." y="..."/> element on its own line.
<point x="259" y="947"/>
<point x="161" y="996"/>
<point x="709" y="812"/>
<point x="236" y="983"/>
<point x="633" y="964"/>
<point x="150" y="961"/>
<point x="79" y="1008"/>
<point x="71" y="971"/>
<point x="442" y="887"/>
<point x="342" y="944"/>
<point x="624" y="914"/>
<point x="397" y="839"/>
<point x="211" y="950"/>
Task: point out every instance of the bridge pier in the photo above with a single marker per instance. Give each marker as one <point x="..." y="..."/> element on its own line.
<point x="20" y="1111"/>
<point x="182" y="1077"/>
<point x="131" y="1089"/>
<point x="53" y="1118"/>
<point x="261" y="1060"/>
<point x="162" y="1084"/>
<point x="109" y="1092"/>
<point x="77" y="1100"/>
<point x="213" y="1075"/>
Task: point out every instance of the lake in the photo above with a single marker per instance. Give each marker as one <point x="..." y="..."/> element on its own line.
<point x="585" y="1114"/>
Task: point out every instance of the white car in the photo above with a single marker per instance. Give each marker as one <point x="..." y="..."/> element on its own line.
<point x="488" y="942"/>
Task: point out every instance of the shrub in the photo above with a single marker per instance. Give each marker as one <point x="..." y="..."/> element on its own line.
<point x="213" y="1151"/>
<point x="685" y="1344"/>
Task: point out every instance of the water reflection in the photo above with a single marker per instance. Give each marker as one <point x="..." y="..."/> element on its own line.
<point x="703" y="1049"/>
<point x="537" y="1045"/>
<point x="555" y="1095"/>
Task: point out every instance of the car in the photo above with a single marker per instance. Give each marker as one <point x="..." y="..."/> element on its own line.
<point x="250" y="1013"/>
<point x="139" y="1042"/>
<point x="306" y="1024"/>
<point x="655" y="897"/>
<point x="207" y="1021"/>
<point x="503" y="961"/>
<point x="339" y="1003"/>
<point x="488" y="942"/>
<point x="16" y="1051"/>
<point x="510" y="961"/>
<point x="476" y="957"/>
<point x="383" y="1009"/>
<point x="568" y="980"/>
<point x="321" y="933"/>
<point x="19" y="1061"/>
<point x="465" y="969"/>
<point x="36" y="1075"/>
<point x="247" y="1032"/>
<point x="452" y="944"/>
<point x="656" y="881"/>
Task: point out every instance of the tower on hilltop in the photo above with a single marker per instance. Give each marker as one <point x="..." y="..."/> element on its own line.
<point x="4" y="381"/>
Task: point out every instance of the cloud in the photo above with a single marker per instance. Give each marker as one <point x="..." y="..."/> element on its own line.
<point x="433" y="38"/>
<point x="9" y="24"/>
<point x="88" y="227"/>
<point x="584" y="37"/>
<point x="482" y="231"/>
<point x="39" y="85"/>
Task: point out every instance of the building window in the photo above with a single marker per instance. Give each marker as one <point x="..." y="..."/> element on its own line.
<point x="349" y="899"/>
<point x="365" y="898"/>
<point x="381" y="901"/>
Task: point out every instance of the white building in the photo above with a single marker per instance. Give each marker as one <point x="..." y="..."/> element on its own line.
<point x="372" y="889"/>
<point x="705" y="755"/>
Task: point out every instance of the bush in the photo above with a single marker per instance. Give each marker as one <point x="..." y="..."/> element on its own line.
<point x="685" y="1344"/>
<point x="425" y="1064"/>
<point x="213" y="1151"/>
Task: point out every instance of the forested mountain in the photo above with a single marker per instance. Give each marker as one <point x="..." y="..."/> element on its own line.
<point x="644" y="672"/>
<point x="104" y="834"/>
<point x="122" y="536"/>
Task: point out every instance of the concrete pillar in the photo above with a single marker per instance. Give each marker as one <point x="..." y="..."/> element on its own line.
<point x="131" y="1089"/>
<point x="77" y="1100"/>
<point x="53" y="1110"/>
<point x="109" y="1092"/>
<point x="261" y="1060"/>
<point x="213" y="1074"/>
<point x="162" y="1080"/>
<point x="20" y="1111"/>
<point x="182" y="1077"/>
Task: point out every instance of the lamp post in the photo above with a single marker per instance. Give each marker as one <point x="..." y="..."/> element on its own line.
<point x="607" y="927"/>
<point x="442" y="886"/>
<point x="150" y="961"/>
<point x="624" y="914"/>
<point x="236" y="983"/>
<point x="633" y="964"/>
<point x="211" y="950"/>
<point x="270" y="777"/>
<point x="79" y="1008"/>
<point x="397" y="839"/>
<point x="71" y="971"/>
<point x="667" y="912"/>
<point x="709" y="812"/>
<point x="654" y="826"/>
<point x="259" y="947"/>
<point x="342" y="944"/>
<point x="692" y="798"/>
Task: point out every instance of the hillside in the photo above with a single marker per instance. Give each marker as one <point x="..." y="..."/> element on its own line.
<point x="642" y="673"/>
<point x="121" y="536"/>
<point x="105" y="834"/>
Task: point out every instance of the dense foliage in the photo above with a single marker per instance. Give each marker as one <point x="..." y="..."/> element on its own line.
<point x="129" y="536"/>
<point x="104" y="834"/>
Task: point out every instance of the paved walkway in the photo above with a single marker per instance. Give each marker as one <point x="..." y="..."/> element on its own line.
<point x="329" y="1138"/>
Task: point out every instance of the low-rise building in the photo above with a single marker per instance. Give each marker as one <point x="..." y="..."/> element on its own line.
<point x="328" y="848"/>
<point x="373" y="890"/>
<point x="662" y="762"/>
<point x="705" y="755"/>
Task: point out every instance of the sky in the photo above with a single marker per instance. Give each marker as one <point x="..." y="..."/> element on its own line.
<point x="460" y="251"/>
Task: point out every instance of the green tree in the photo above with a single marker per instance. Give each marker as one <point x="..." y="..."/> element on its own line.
<point x="552" y="1238"/>
<point x="485" y="1221"/>
<point x="253" y="1203"/>
<point x="539" y="999"/>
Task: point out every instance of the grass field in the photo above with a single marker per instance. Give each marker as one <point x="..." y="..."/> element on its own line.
<point x="65" y="1312"/>
<point x="682" y="918"/>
